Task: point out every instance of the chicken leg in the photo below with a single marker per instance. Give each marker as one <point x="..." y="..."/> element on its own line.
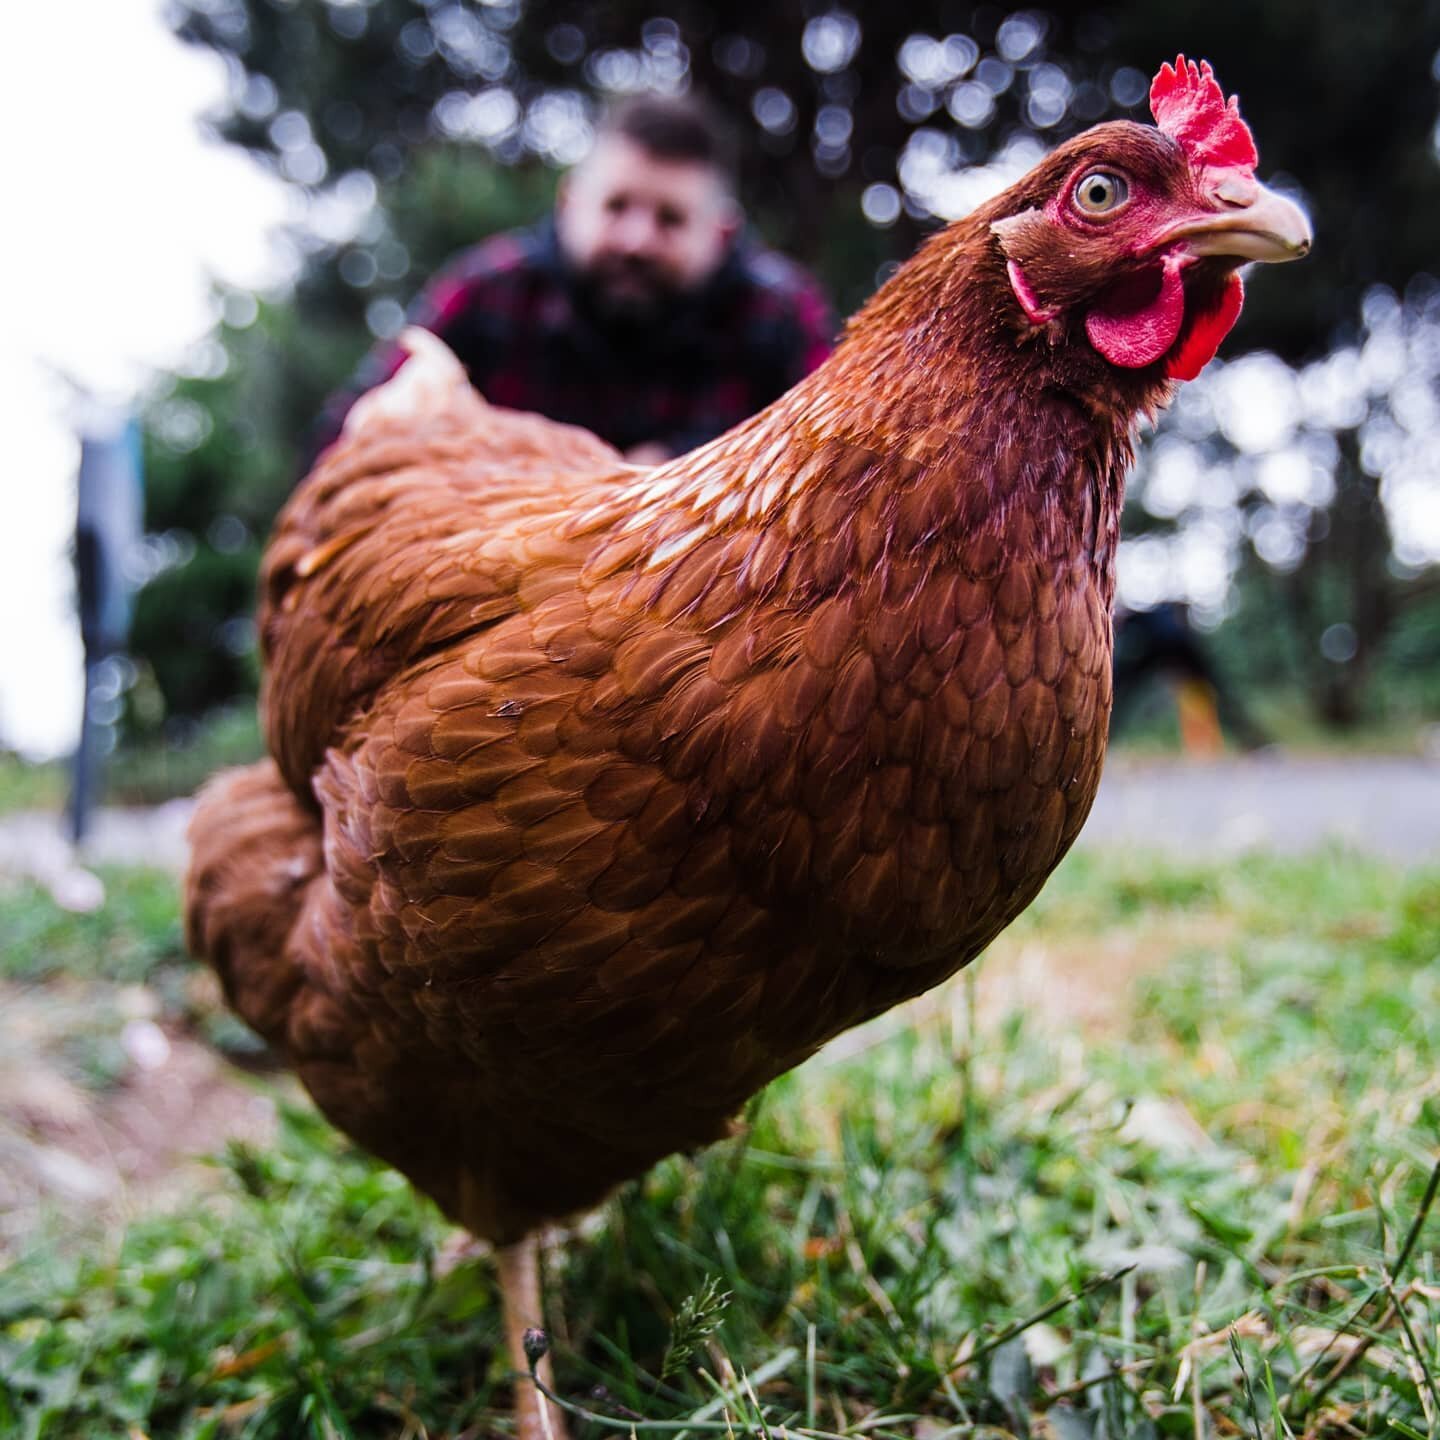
<point x="519" y="1265"/>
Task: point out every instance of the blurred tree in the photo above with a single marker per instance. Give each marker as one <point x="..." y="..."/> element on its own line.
<point x="224" y="443"/>
<point x="1344" y="99"/>
<point x="413" y="127"/>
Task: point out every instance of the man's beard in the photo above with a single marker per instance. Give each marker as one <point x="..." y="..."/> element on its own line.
<point x="627" y="292"/>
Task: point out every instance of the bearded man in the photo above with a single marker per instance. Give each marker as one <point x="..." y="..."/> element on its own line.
<point x="640" y="310"/>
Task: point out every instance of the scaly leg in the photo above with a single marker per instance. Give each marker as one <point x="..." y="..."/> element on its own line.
<point x="536" y="1418"/>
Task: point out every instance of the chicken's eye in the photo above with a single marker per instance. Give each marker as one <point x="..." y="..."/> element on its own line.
<point x="1100" y="192"/>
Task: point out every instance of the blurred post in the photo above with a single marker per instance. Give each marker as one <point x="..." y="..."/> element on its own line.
<point x="108" y="521"/>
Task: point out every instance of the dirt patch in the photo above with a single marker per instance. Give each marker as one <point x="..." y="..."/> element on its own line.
<point x="1087" y="983"/>
<point x="107" y="1112"/>
<point x="1084" y="986"/>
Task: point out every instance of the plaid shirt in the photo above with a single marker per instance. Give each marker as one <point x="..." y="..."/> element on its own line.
<point x="507" y="308"/>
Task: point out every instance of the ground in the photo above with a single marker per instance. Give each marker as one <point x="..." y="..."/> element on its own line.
<point x="114" y="1152"/>
<point x="1221" y="1072"/>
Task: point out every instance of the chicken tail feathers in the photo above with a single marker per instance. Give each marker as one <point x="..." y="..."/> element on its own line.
<point x="432" y="380"/>
<point x="254" y="852"/>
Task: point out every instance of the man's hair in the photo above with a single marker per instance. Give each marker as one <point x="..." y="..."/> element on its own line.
<point x="674" y="127"/>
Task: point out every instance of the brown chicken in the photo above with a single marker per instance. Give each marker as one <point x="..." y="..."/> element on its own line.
<point x="601" y="796"/>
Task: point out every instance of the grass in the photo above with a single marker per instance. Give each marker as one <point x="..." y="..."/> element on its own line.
<point x="1206" y="1215"/>
<point x="27" y="786"/>
<point x="155" y="770"/>
<point x="135" y="935"/>
<point x="71" y="982"/>
<point x="144" y="772"/>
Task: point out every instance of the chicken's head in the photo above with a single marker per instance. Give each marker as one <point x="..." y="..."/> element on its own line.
<point x="1137" y="233"/>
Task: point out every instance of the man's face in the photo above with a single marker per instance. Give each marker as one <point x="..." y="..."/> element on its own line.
<point x="640" y="229"/>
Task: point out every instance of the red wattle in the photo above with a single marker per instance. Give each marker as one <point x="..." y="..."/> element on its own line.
<point x="1139" y="334"/>
<point x="1209" y="329"/>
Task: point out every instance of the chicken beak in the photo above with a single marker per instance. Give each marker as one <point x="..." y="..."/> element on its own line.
<point x="1255" y="224"/>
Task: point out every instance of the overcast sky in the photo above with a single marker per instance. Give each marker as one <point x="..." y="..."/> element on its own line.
<point x="118" y="214"/>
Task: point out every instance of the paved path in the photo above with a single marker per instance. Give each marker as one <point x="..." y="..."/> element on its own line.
<point x="32" y="844"/>
<point x="1390" y="806"/>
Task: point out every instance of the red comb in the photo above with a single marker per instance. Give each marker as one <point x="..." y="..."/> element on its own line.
<point x="1190" y="107"/>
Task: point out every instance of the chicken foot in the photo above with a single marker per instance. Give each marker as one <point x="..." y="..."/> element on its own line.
<point x="519" y="1266"/>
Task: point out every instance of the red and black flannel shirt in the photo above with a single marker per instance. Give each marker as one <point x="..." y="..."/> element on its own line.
<point x="507" y="308"/>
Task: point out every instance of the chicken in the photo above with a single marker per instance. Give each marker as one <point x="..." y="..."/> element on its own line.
<point x="600" y="796"/>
